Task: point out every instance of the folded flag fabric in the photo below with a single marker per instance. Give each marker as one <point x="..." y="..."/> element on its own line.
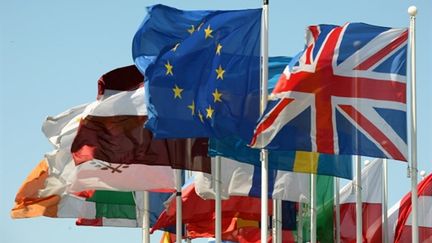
<point x="400" y="218"/>
<point x="240" y="179"/>
<point x="371" y="179"/>
<point x="345" y="95"/>
<point x="300" y="161"/>
<point x="96" y="174"/>
<point x="197" y="210"/>
<point x="202" y="69"/>
<point x="92" y="208"/>
<point x="113" y="130"/>
<point x="325" y="213"/>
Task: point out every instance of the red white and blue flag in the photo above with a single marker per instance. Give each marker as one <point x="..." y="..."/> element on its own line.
<point x="345" y="94"/>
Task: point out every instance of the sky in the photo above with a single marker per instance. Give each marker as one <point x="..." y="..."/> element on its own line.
<point x="52" y="53"/>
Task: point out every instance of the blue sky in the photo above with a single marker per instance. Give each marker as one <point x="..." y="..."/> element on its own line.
<point x="53" y="52"/>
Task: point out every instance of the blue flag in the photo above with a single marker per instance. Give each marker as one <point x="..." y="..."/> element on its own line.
<point x="202" y="70"/>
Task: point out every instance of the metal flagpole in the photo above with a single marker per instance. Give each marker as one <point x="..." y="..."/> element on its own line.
<point x="146" y="219"/>
<point x="300" y="223"/>
<point x="385" y="203"/>
<point x="179" y="225"/>
<point x="274" y="221"/>
<point x="412" y="11"/>
<point x="263" y="103"/>
<point x="313" y="215"/>
<point x="337" y="209"/>
<point x="359" y="215"/>
<point x="279" y="221"/>
<point x="218" y="201"/>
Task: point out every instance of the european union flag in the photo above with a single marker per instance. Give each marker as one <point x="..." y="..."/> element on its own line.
<point x="202" y="70"/>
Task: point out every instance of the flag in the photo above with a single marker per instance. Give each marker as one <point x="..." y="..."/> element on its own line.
<point x="123" y="209"/>
<point x="202" y="69"/>
<point x="96" y="208"/>
<point x="111" y="144"/>
<point x="96" y="174"/>
<point x="113" y="131"/>
<point x="400" y="218"/>
<point x="240" y="179"/>
<point x="324" y="203"/>
<point x="345" y="95"/>
<point x="240" y="230"/>
<point x="195" y="209"/>
<point x="371" y="179"/>
<point x="300" y="161"/>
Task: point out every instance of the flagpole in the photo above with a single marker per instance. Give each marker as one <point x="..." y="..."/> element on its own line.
<point x="279" y="221"/>
<point x="274" y="221"/>
<point x="412" y="11"/>
<point x="385" y="202"/>
<point x="313" y="215"/>
<point x="337" y="209"/>
<point x="146" y="219"/>
<point x="263" y="103"/>
<point x="218" y="201"/>
<point x="359" y="215"/>
<point x="300" y="223"/>
<point x="179" y="228"/>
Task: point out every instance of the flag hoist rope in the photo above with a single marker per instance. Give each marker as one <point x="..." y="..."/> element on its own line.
<point x="263" y="104"/>
<point x="412" y="11"/>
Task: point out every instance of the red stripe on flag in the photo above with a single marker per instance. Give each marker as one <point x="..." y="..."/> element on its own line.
<point x="89" y="222"/>
<point x="272" y="116"/>
<point x="368" y="126"/>
<point x="383" y="52"/>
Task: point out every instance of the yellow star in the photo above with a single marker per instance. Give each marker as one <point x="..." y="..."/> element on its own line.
<point x="175" y="47"/>
<point x="220" y="72"/>
<point x="217" y="96"/>
<point x="177" y="92"/>
<point x="169" y="68"/>
<point x="218" y="49"/>
<point x="208" y="32"/>
<point x="200" y="116"/>
<point x="192" y="107"/>
<point x="209" y="112"/>
<point x="191" y="30"/>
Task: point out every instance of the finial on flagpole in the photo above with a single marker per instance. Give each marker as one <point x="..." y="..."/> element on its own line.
<point x="412" y="11"/>
<point x="422" y="174"/>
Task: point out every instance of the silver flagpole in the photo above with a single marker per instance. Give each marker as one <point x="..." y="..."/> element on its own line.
<point x="218" y="201"/>
<point x="179" y="225"/>
<point x="359" y="215"/>
<point x="385" y="202"/>
<point x="274" y="221"/>
<point x="412" y="11"/>
<point x="337" y="209"/>
<point x="263" y="103"/>
<point x="313" y="212"/>
<point x="279" y="225"/>
<point x="300" y="223"/>
<point x="146" y="219"/>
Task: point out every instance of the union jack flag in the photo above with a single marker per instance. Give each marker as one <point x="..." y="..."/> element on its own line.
<point x="346" y="94"/>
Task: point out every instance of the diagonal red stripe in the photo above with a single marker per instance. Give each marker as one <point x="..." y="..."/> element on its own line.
<point x="270" y="118"/>
<point x="378" y="135"/>
<point x="383" y="52"/>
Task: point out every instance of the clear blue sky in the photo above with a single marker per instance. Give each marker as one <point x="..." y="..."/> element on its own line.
<point x="52" y="53"/>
